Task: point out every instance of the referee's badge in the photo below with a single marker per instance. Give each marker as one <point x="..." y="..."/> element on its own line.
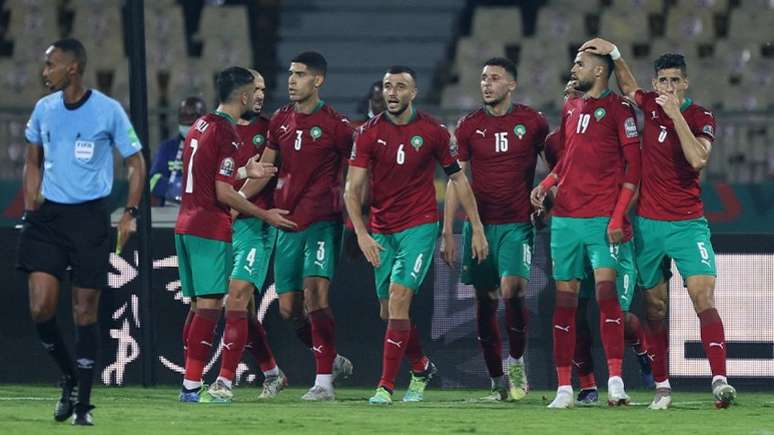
<point x="84" y="150"/>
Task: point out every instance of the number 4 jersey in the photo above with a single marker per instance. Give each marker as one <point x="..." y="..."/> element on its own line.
<point x="208" y="156"/>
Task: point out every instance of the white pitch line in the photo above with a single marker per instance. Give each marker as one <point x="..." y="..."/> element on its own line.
<point x="28" y="398"/>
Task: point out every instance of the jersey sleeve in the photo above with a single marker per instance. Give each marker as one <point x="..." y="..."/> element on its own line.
<point x="445" y="150"/>
<point x="32" y="131"/>
<point x="361" y="149"/>
<point x="702" y="124"/>
<point x="124" y="136"/>
<point x="626" y="124"/>
<point x="344" y="136"/>
<point x="552" y="149"/>
<point x="226" y="157"/>
<point x="542" y="131"/>
<point x="645" y="100"/>
<point x="462" y="138"/>
<point x="272" y="139"/>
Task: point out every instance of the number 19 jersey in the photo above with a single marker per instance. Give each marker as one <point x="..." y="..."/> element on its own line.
<point x="208" y="156"/>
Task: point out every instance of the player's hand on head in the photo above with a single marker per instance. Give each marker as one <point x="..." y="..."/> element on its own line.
<point x="370" y="249"/>
<point x="598" y="46"/>
<point x="448" y="249"/>
<point x="256" y="169"/>
<point x="276" y="217"/>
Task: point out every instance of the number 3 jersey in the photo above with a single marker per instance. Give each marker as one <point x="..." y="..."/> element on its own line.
<point x="208" y="156"/>
<point x="594" y="132"/>
<point x="312" y="148"/>
<point x="670" y="186"/>
<point x="502" y="151"/>
<point x="402" y="159"/>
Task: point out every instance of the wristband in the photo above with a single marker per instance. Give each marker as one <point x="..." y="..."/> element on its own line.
<point x="548" y="182"/>
<point x="242" y="194"/>
<point x="241" y="173"/>
<point x="615" y="54"/>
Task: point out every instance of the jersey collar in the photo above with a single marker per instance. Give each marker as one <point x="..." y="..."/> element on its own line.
<point x="686" y="103"/>
<point x="225" y="115"/>
<point x="604" y="94"/>
<point x="510" y="109"/>
<point x="411" y="119"/>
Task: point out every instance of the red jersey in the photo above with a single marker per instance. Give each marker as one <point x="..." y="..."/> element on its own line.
<point x="670" y="187"/>
<point x="502" y="151"/>
<point x="594" y="132"/>
<point x="208" y="156"/>
<point x="552" y="150"/>
<point x="402" y="159"/>
<point x="254" y="139"/>
<point x="312" y="148"/>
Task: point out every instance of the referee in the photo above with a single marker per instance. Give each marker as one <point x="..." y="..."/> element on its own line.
<point x="72" y="134"/>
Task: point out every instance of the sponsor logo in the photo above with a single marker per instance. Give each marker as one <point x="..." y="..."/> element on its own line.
<point x="318" y="349"/>
<point x="481" y="132"/>
<point x="381" y="142"/>
<point x="563" y="328"/>
<point x="283" y="128"/>
<point x="630" y="127"/>
<point x="617" y="320"/>
<point x="394" y="343"/>
<point x="713" y="344"/>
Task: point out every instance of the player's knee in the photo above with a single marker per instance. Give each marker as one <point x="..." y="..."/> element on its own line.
<point x="84" y="313"/>
<point x="656" y="310"/>
<point x="41" y="311"/>
<point x="513" y="287"/>
<point x="287" y="312"/>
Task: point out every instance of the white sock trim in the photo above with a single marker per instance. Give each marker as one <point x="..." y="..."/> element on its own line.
<point x="325" y="381"/>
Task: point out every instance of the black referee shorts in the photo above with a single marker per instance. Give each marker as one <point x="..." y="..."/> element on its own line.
<point x="60" y="236"/>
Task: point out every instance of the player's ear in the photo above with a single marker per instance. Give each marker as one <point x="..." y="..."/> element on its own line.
<point x="512" y="85"/>
<point x="654" y="82"/>
<point x="319" y="79"/>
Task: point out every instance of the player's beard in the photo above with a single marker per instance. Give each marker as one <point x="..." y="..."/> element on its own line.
<point x="583" y="85"/>
<point x="494" y="102"/>
<point x="249" y="115"/>
<point x="401" y="109"/>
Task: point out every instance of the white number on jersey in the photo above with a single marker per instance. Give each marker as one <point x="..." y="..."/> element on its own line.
<point x="501" y="142"/>
<point x="583" y="123"/>
<point x="297" y="143"/>
<point x="189" y="177"/>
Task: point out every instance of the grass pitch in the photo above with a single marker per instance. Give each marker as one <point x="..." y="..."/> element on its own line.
<point x="136" y="411"/>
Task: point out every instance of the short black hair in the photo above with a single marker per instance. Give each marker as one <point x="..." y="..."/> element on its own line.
<point x="231" y="79"/>
<point x="670" y="60"/>
<point x="505" y="63"/>
<point x="74" y="47"/>
<point x="313" y="60"/>
<point x="607" y="61"/>
<point x="401" y="69"/>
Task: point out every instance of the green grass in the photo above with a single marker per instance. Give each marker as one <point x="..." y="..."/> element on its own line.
<point x="137" y="411"/>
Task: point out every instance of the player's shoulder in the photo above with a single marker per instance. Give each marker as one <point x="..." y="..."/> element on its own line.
<point x="372" y="125"/>
<point x="471" y="118"/>
<point x="429" y="122"/>
<point x="619" y="103"/>
<point x="696" y="109"/>
<point x="529" y="112"/>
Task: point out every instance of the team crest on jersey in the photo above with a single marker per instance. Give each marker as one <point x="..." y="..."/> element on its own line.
<point x="417" y="142"/>
<point x="708" y="130"/>
<point x="227" y="167"/>
<point x="315" y="132"/>
<point x="520" y="130"/>
<point x="630" y="127"/>
<point x="599" y="113"/>
<point x="258" y="139"/>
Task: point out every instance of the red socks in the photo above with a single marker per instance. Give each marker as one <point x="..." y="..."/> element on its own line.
<point x="634" y="333"/>
<point x="516" y="320"/>
<point x="414" y="352"/>
<point x="199" y="342"/>
<point x="323" y="340"/>
<point x="304" y="331"/>
<point x="186" y="331"/>
<point x="395" y="342"/>
<point x="489" y="335"/>
<point x="714" y="340"/>
<point x="258" y="345"/>
<point x="564" y="334"/>
<point x="658" y="346"/>
<point x="583" y="360"/>
<point x="234" y="340"/>
<point x="611" y="326"/>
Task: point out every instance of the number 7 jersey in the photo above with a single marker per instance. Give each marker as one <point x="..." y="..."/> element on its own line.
<point x="208" y="156"/>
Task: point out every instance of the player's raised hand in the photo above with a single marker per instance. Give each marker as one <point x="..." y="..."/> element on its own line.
<point x="479" y="245"/>
<point x="537" y="196"/>
<point x="598" y="46"/>
<point x="256" y="169"/>
<point x="370" y="249"/>
<point x="448" y="248"/>
<point x="276" y="217"/>
<point x="670" y="104"/>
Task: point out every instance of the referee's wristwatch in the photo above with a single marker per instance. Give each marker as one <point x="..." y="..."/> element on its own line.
<point x="133" y="211"/>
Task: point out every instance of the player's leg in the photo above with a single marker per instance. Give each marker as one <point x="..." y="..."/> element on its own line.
<point x="514" y="260"/>
<point x="634" y="333"/>
<point x="274" y="379"/>
<point x="289" y="283"/>
<point x="604" y="258"/>
<point x="209" y="262"/>
<point x="484" y="278"/>
<point x="186" y="287"/>
<point x="582" y="358"/>
<point x="321" y="249"/>
<point x="690" y="246"/>
<point x="567" y="258"/>
<point x="235" y="335"/>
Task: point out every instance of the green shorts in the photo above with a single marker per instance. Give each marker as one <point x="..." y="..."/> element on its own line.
<point x="687" y="242"/>
<point x="311" y="252"/>
<point x="510" y="254"/>
<point x="204" y="265"/>
<point x="252" y="241"/>
<point x="406" y="257"/>
<point x="625" y="281"/>
<point x="575" y="239"/>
